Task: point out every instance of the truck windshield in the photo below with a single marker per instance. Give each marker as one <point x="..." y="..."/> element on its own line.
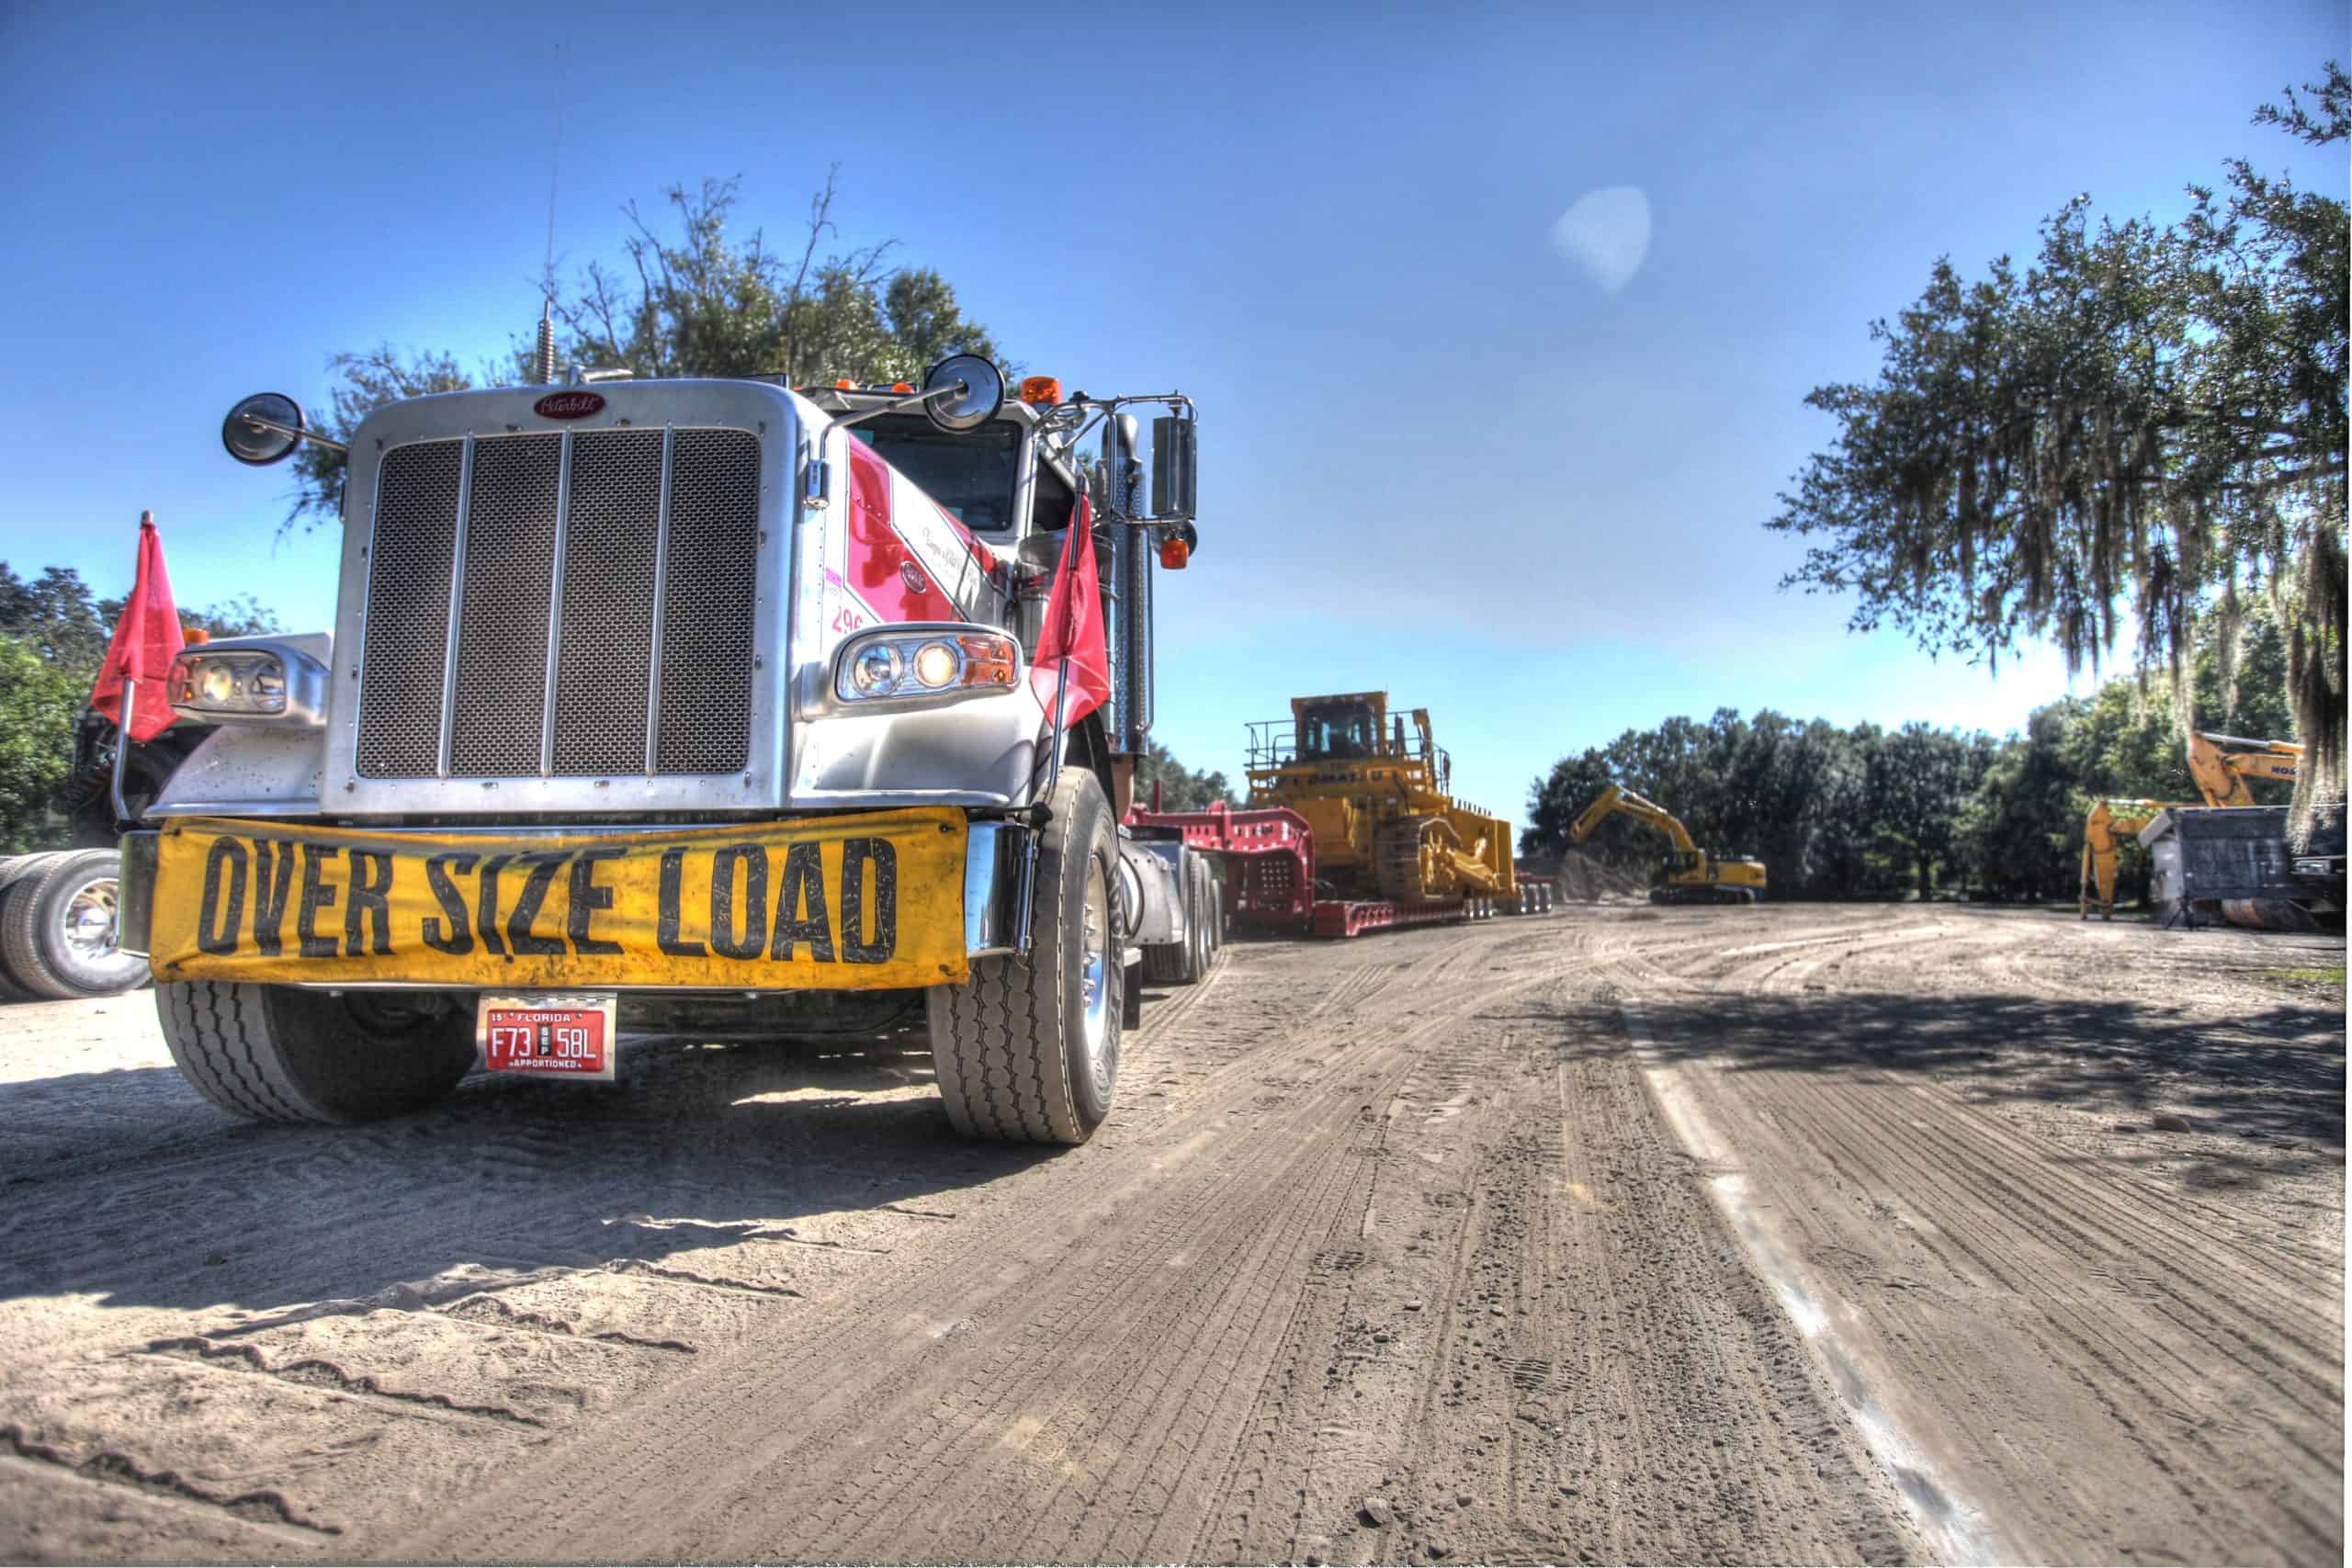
<point x="971" y="474"/>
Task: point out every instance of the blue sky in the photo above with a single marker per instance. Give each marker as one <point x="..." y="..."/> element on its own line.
<point x="1439" y="456"/>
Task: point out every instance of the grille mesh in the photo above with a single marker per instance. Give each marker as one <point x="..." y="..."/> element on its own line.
<point x="408" y="610"/>
<point x="502" y="633"/>
<point x="604" y="662"/>
<point x="603" y="674"/>
<point x="706" y="638"/>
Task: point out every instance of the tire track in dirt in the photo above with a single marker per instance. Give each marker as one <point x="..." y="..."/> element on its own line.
<point x="1199" y="1187"/>
<point x="2006" y="1262"/>
<point x="1406" y="1223"/>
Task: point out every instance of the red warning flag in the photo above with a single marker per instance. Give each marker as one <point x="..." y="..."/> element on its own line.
<point x="146" y="640"/>
<point x="1072" y="638"/>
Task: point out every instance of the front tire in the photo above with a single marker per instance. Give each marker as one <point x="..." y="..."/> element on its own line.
<point x="278" y="1054"/>
<point x="1027" y="1050"/>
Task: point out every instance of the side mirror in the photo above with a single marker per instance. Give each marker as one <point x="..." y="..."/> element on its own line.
<point x="264" y="429"/>
<point x="981" y="393"/>
<point x="1175" y="474"/>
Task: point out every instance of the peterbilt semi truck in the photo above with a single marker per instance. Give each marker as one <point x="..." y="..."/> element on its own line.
<point x="705" y="707"/>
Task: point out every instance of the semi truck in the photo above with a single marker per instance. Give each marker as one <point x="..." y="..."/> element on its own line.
<point x="704" y="706"/>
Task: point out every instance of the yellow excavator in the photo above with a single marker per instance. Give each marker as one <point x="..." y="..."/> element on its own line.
<point x="1687" y="874"/>
<point x="2221" y="765"/>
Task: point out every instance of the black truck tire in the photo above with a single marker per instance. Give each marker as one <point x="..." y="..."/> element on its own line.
<point x="1212" y="910"/>
<point x="1027" y="1050"/>
<point x="15" y="872"/>
<point x="48" y="931"/>
<point x="57" y="929"/>
<point x="1196" y="871"/>
<point x="279" y="1053"/>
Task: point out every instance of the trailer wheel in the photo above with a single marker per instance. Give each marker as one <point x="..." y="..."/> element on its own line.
<point x="57" y="927"/>
<point x="279" y="1053"/>
<point x="1027" y="1051"/>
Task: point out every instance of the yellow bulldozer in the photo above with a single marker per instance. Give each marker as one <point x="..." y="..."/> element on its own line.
<point x="1374" y="795"/>
<point x="1687" y="874"/>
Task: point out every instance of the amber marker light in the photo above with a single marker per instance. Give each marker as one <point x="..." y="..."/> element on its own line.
<point x="1043" y="390"/>
<point x="988" y="660"/>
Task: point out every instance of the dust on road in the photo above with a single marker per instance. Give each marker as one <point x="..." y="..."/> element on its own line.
<point x="1389" y="1254"/>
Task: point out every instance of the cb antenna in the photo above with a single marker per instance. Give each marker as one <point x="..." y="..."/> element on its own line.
<point x="543" y="358"/>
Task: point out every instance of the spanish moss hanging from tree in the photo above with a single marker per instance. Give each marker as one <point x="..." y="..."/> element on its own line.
<point x="2149" y="414"/>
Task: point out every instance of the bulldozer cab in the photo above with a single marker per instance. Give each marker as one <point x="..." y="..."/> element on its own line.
<point x="1339" y="729"/>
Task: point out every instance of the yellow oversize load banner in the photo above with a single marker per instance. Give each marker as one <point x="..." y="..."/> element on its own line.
<point x="861" y="901"/>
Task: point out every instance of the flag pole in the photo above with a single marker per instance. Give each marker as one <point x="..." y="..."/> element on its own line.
<point x="1054" y="742"/>
<point x="122" y="812"/>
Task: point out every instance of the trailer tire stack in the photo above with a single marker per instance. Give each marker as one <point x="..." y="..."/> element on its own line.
<point x="57" y="927"/>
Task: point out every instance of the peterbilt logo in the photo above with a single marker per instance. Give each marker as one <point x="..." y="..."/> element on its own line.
<point x="569" y="405"/>
<point x="911" y="575"/>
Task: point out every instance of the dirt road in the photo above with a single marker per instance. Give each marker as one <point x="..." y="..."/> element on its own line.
<point x="1796" y="1234"/>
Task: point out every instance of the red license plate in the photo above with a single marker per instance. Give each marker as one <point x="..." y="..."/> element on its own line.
<point x="557" y="1036"/>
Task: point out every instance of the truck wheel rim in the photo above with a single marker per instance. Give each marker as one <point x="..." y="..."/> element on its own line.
<point x="1094" y="970"/>
<point x="89" y="922"/>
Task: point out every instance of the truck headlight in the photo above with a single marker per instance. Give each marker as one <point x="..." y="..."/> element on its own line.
<point x="228" y="684"/>
<point x="248" y="681"/>
<point x="2313" y="867"/>
<point x="925" y="664"/>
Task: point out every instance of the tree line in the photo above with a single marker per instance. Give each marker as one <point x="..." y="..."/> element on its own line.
<point x="1868" y="812"/>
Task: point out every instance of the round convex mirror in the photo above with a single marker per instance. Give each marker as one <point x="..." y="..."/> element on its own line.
<point x="263" y="429"/>
<point x="975" y="404"/>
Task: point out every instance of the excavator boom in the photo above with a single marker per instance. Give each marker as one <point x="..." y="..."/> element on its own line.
<point x="1688" y="871"/>
<point x="2222" y="763"/>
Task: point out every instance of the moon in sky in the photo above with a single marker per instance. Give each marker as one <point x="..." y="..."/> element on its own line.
<point x="1606" y="234"/>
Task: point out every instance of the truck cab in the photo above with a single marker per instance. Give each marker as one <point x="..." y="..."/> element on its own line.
<point x="651" y="704"/>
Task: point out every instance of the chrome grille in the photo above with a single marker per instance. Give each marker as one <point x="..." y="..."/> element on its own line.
<point x="502" y="620"/>
<point x="408" y="610"/>
<point x="707" y="655"/>
<point x="608" y="602"/>
<point x="600" y="620"/>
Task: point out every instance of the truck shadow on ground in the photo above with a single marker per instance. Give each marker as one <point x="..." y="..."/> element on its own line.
<point x="2270" y="1081"/>
<point x="125" y="1185"/>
